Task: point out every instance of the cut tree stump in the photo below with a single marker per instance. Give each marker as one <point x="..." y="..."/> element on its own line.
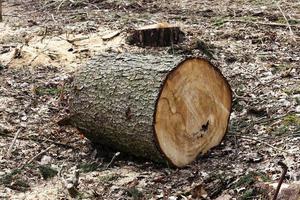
<point x="156" y="35"/>
<point x="160" y="107"/>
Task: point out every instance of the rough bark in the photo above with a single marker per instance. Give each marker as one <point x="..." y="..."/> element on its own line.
<point x="117" y="100"/>
<point x="161" y="34"/>
<point x="114" y="99"/>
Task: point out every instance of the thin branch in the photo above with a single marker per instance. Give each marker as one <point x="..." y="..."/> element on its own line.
<point x="240" y="97"/>
<point x="8" y="154"/>
<point x="113" y="160"/>
<point x="284" y="171"/>
<point x="11" y="16"/>
<point x="36" y="156"/>
<point x="262" y="142"/>
<point x="261" y="23"/>
<point x="40" y="52"/>
<point x="53" y="18"/>
<point x="39" y="140"/>
<point x="16" y="54"/>
<point x="287" y="22"/>
<point x="61" y="3"/>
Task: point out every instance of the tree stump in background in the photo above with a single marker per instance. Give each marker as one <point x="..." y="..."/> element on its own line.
<point x="157" y="107"/>
<point x="156" y="35"/>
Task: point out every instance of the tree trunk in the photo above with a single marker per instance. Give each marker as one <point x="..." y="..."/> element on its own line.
<point x="151" y="106"/>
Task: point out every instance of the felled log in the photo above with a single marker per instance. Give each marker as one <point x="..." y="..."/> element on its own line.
<point x="160" y="107"/>
<point x="156" y="35"/>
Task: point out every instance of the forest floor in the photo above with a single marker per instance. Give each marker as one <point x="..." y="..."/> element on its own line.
<point x="254" y="43"/>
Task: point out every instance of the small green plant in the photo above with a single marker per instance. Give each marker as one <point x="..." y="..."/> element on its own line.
<point x="135" y="193"/>
<point x="13" y="181"/>
<point x="88" y="167"/>
<point x="246" y="180"/>
<point x="281" y="130"/>
<point x="47" y="171"/>
<point x="280" y="20"/>
<point x="292" y="91"/>
<point x="8" y="178"/>
<point x="292" y="120"/>
<point x="280" y="67"/>
<point x="293" y="21"/>
<point x="248" y="194"/>
<point x="108" y="178"/>
<point x="264" y="177"/>
<point x="249" y="18"/>
<point x="251" y="178"/>
<point x="40" y="91"/>
<point x="298" y="101"/>
<point x="2" y="66"/>
<point x="219" y="21"/>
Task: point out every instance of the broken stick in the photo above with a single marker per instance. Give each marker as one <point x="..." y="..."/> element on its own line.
<point x="284" y="171"/>
<point x="8" y="154"/>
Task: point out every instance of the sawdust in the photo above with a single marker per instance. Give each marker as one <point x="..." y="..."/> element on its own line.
<point x="65" y="51"/>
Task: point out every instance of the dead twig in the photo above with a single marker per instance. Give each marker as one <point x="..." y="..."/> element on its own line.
<point x="41" y="52"/>
<point x="16" y="54"/>
<point x="52" y="16"/>
<point x="240" y="97"/>
<point x="287" y="22"/>
<point x="266" y="120"/>
<point x="262" y="142"/>
<point x="39" y="140"/>
<point x="72" y="41"/>
<point x="61" y="3"/>
<point x="113" y="160"/>
<point x="36" y="156"/>
<point x="35" y="57"/>
<point x="71" y="183"/>
<point x="261" y="23"/>
<point x="12" y="16"/>
<point x="284" y="171"/>
<point x="8" y="154"/>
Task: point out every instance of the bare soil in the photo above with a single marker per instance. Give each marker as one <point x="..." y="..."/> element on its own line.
<point x="254" y="43"/>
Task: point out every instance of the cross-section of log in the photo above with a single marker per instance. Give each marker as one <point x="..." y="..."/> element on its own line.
<point x="161" y="34"/>
<point x="159" y="107"/>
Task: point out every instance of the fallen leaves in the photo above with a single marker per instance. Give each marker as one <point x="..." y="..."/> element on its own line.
<point x="261" y="62"/>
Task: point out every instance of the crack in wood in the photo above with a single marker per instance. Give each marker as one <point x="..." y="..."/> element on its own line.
<point x="205" y="126"/>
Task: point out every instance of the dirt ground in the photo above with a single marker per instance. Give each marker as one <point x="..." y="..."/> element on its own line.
<point x="254" y="43"/>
